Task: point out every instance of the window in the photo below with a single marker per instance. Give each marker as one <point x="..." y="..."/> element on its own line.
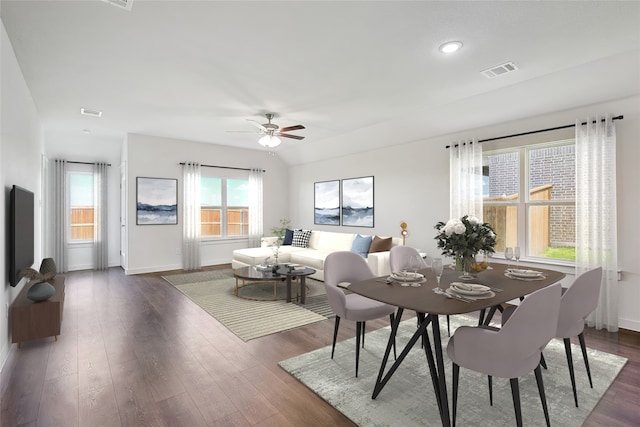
<point x="224" y="210"/>
<point x="543" y="221"/>
<point x="81" y="206"/>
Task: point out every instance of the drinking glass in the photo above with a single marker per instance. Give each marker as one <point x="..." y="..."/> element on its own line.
<point x="516" y="255"/>
<point x="487" y="258"/>
<point x="416" y="264"/>
<point x="508" y="254"/>
<point x="436" y="266"/>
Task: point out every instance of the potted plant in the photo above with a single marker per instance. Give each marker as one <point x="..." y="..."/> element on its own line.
<point x="279" y="233"/>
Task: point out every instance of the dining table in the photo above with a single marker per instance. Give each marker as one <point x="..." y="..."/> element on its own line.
<point x="429" y="305"/>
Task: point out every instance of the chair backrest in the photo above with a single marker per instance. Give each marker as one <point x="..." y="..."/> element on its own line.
<point x="399" y="255"/>
<point x="533" y="324"/>
<point x="340" y="267"/>
<point x="578" y="302"/>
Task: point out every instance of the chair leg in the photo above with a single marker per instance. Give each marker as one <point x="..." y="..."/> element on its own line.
<point x="358" y="332"/>
<point x="490" y="379"/>
<point x="454" y="407"/>
<point x="515" y="393"/>
<point x="448" y="326"/>
<point x="392" y="318"/>
<point x="542" y="361"/>
<point x="584" y="356"/>
<point x="543" y="398"/>
<point x="567" y="349"/>
<point x="335" y="335"/>
<point x="362" y="331"/>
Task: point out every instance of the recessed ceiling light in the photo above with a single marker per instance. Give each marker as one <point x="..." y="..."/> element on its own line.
<point x="450" y="47"/>
<point x="86" y="131"/>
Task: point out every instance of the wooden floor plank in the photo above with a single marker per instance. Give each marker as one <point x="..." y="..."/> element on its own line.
<point x="134" y="351"/>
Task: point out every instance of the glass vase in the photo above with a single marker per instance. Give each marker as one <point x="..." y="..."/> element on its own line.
<point x="465" y="264"/>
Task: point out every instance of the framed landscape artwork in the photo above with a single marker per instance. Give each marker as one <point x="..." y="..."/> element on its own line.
<point x="357" y="202"/>
<point x="156" y="201"/>
<point x="326" y="208"/>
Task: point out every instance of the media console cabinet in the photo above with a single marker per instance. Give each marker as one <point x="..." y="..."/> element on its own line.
<point x="33" y="320"/>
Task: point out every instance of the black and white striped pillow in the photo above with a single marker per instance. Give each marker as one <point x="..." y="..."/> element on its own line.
<point x="301" y="238"/>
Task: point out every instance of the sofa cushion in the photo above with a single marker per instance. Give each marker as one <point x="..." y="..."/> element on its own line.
<point x="310" y="258"/>
<point x="379" y="244"/>
<point x="361" y="245"/>
<point x="288" y="237"/>
<point x="255" y="256"/>
<point x="333" y="242"/>
<point x="301" y="238"/>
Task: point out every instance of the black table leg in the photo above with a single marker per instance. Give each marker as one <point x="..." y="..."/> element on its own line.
<point x="437" y="344"/>
<point x="288" y="288"/>
<point x="303" y="289"/>
<point x="381" y="382"/>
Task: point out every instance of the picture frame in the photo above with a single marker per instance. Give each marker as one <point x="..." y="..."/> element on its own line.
<point x="156" y="201"/>
<point x="357" y="206"/>
<point x="326" y="207"/>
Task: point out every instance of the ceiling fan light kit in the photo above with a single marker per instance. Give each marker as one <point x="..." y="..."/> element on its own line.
<point x="272" y="132"/>
<point x="269" y="141"/>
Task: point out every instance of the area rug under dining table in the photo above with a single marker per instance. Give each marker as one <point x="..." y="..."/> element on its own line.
<point x="255" y="315"/>
<point x="409" y="400"/>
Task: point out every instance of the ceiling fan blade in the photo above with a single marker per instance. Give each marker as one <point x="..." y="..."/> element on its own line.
<point x="289" y="128"/>
<point x="284" y="135"/>
<point x="258" y="125"/>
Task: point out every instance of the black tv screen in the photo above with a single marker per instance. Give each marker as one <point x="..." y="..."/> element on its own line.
<point x="21" y="232"/>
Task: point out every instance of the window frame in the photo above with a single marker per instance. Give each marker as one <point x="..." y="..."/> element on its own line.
<point x="224" y="207"/>
<point x="524" y="201"/>
<point x="68" y="225"/>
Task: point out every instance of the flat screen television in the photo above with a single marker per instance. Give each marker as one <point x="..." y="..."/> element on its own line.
<point x="21" y="232"/>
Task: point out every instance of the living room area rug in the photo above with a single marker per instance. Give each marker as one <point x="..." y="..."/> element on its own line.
<point x="256" y="314"/>
<point x="408" y="398"/>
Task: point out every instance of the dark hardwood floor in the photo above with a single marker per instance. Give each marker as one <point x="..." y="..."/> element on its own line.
<point x="134" y="351"/>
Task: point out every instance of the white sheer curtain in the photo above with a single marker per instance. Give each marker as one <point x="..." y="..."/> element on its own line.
<point x="191" y="216"/>
<point x="100" y="213"/>
<point x="58" y="193"/>
<point x="465" y="170"/>
<point x="596" y="225"/>
<point x="255" y="207"/>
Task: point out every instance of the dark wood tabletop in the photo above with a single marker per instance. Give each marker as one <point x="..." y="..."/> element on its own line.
<point x="423" y="300"/>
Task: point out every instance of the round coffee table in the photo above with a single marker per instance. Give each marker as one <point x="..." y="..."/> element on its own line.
<point x="246" y="276"/>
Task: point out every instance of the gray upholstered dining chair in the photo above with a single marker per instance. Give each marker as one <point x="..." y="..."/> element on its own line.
<point x="512" y="351"/>
<point x="577" y="302"/>
<point x="348" y="267"/>
<point x="398" y="258"/>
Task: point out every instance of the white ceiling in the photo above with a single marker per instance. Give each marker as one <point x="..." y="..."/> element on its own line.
<point x="359" y="74"/>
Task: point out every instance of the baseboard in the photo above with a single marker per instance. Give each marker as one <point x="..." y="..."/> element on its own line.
<point x="632" y="325"/>
<point x="155" y="269"/>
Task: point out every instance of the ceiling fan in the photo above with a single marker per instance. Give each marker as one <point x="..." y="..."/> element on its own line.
<point x="272" y="132"/>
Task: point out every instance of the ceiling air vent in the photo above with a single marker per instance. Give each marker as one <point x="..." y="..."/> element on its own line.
<point x="124" y="4"/>
<point x="90" y="112"/>
<point x="499" y="70"/>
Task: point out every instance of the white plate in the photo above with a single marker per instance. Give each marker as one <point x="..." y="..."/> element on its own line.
<point x="407" y="277"/>
<point x="527" y="274"/>
<point x="477" y="288"/>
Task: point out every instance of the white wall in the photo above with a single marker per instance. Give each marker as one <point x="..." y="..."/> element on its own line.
<point x="158" y="247"/>
<point x="412" y="185"/>
<point x="21" y="151"/>
<point x="80" y="147"/>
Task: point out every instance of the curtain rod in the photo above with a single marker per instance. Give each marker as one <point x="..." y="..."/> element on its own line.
<point x="620" y="117"/>
<point x="84" y="163"/>
<point x="224" y="167"/>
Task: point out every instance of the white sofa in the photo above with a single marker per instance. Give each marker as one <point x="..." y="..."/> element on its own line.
<point x="321" y="244"/>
